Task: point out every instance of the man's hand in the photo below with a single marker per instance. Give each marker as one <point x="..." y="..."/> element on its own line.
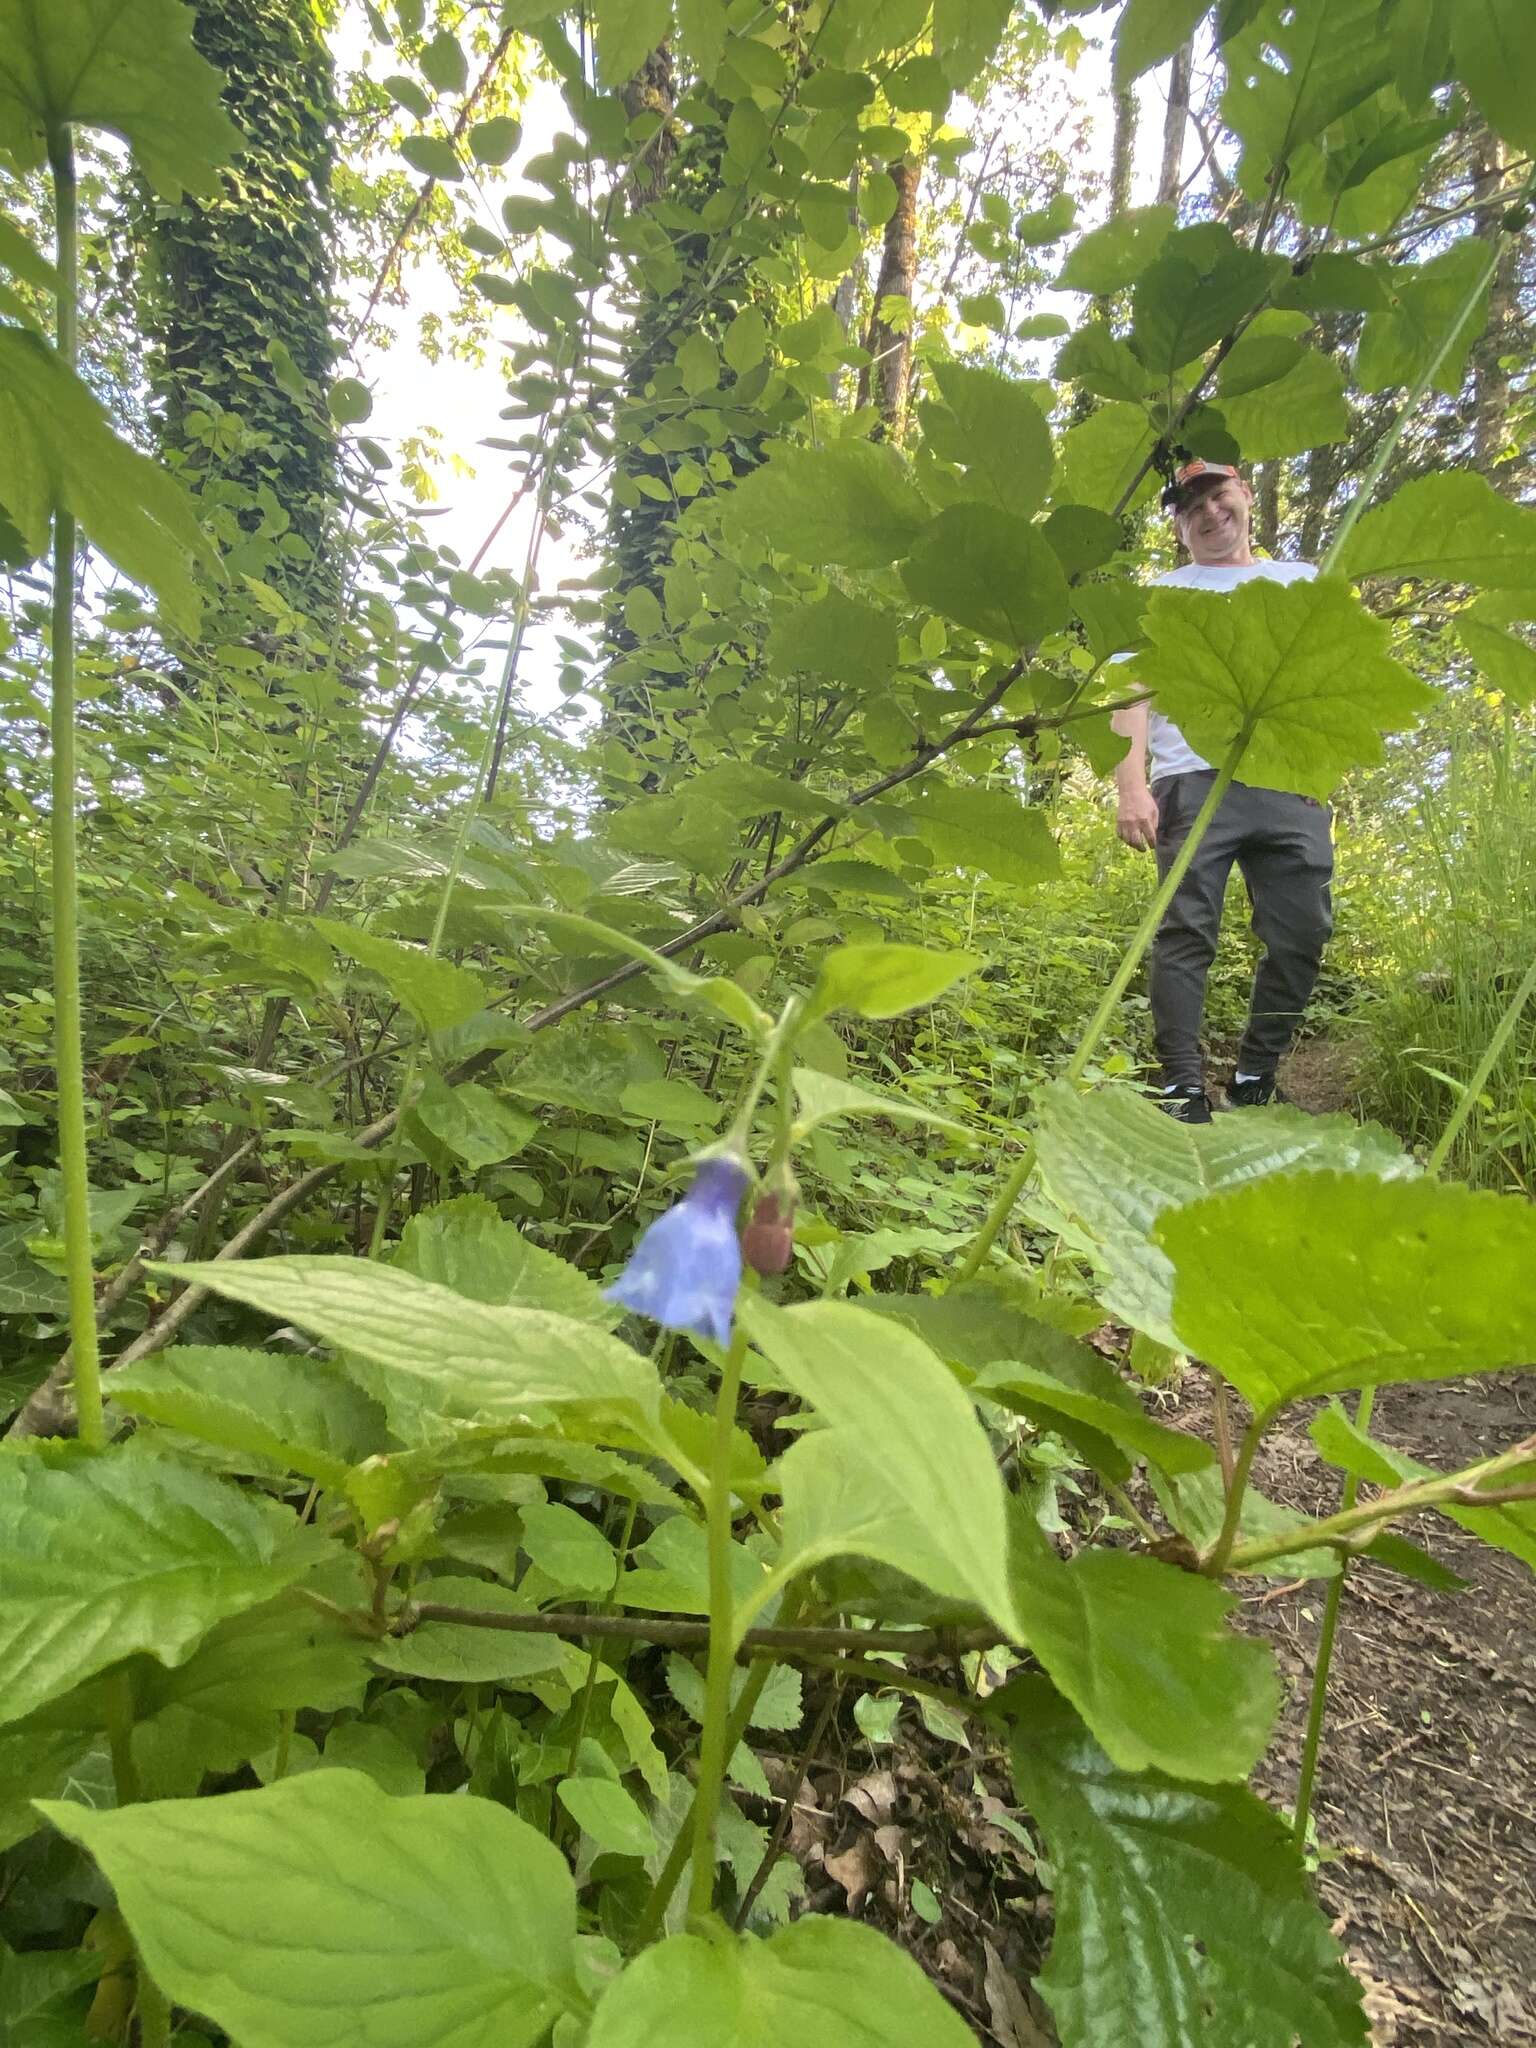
<point x="1136" y="819"/>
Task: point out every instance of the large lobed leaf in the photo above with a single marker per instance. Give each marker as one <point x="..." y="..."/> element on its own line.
<point x="1309" y="1283"/>
<point x="61" y="454"/>
<point x="321" y="1913"/>
<point x="124" y="65"/>
<point x="852" y="503"/>
<point x="1183" y="1918"/>
<point x="1297" y="673"/>
<point x="1112" y="1163"/>
<point x="104" y="1557"/>
<point x="1454" y="528"/>
<point x="1296" y="68"/>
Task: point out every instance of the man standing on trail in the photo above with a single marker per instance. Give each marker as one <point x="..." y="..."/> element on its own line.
<point x="1281" y="842"/>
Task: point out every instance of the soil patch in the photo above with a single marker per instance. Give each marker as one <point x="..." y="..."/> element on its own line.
<point x="1426" y="1797"/>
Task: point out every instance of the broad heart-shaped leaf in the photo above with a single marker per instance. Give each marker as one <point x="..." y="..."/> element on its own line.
<point x="321" y="1913"/>
<point x="1112" y="1162"/>
<point x="1406" y="1280"/>
<point x="1201" y="284"/>
<point x="884" y="981"/>
<point x="1511" y="1527"/>
<point x="61" y="451"/>
<point x="824" y="1982"/>
<point x="108" y="1556"/>
<point x="468" y="1246"/>
<point x="911" y="1432"/>
<point x="1508" y="663"/>
<point x="995" y="429"/>
<point x="1103" y="455"/>
<point x="627" y="32"/>
<point x="990" y="571"/>
<point x="1150" y="30"/>
<point x="850" y="643"/>
<point x="1495" y="46"/>
<point x="988" y="829"/>
<point x="1298" y="672"/>
<point x="436" y="992"/>
<point x="820" y="1097"/>
<point x="125" y="65"/>
<point x="1452" y="528"/>
<point x="1116" y="254"/>
<point x="1295" y="69"/>
<point x="440" y="1359"/>
<point x="851" y="503"/>
<point x="1303" y="409"/>
<point x="1144" y="1653"/>
<point x="1183" y="1915"/>
<point x="223" y="1705"/>
<point x="467" y="1123"/>
<point x="1423" y="304"/>
<point x="297" y="1411"/>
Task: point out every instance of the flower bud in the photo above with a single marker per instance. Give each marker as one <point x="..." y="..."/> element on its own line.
<point x="768" y="1242"/>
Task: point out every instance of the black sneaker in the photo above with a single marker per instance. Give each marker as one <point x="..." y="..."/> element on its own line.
<point x="1189" y="1105"/>
<point x="1252" y="1094"/>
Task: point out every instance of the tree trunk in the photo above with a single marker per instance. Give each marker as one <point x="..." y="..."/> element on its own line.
<point x="231" y="274"/>
<point x="884" y="379"/>
<point x="1268" y="507"/>
<point x="1490" y="380"/>
<point x="1176" y="126"/>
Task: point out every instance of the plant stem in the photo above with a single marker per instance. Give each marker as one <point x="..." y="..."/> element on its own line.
<point x="713" y="1753"/>
<point x="1221" y="1549"/>
<point x="674" y="1634"/>
<point x="69" y="1064"/>
<point x="1317" y="1705"/>
<point x="997" y="1215"/>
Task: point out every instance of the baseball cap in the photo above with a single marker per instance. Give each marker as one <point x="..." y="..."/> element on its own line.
<point x="1191" y="473"/>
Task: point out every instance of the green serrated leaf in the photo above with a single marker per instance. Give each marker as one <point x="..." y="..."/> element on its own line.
<point x="61" y="452"/>
<point x="296" y="1411"/>
<point x="832" y="1982"/>
<point x="464" y="1653"/>
<point x="1454" y="528"/>
<point x="1150" y="31"/>
<point x="1404" y="1283"/>
<point x="998" y="434"/>
<point x="1511" y="1527"/>
<point x="438" y="1359"/>
<point x="1294" y="71"/>
<point x="1495" y="47"/>
<point x="851" y="503"/>
<point x="436" y="992"/>
<point x="990" y="571"/>
<point x="1146" y="1655"/>
<point x="128" y="66"/>
<point x="986" y="829"/>
<point x="1197" y="289"/>
<point x="115" y="1555"/>
<point x="1423" y="303"/>
<point x="820" y="1097"/>
<point x="1508" y="662"/>
<point x="467" y="1246"/>
<point x="904" y="1473"/>
<point x="1115" y="255"/>
<point x="1112" y="1163"/>
<point x="429" y="1922"/>
<point x="1298" y="674"/>
<point x="1182" y="1915"/>
<point x="884" y="981"/>
<point x="627" y="32"/>
<point x="468" y="1123"/>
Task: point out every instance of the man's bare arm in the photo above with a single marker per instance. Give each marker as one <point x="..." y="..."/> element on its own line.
<point x="1135" y="810"/>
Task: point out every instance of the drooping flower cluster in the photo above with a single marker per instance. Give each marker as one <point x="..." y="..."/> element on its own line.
<point x="686" y="1269"/>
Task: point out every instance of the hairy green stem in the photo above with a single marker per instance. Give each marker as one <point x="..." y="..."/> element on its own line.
<point x="1317" y="1704"/>
<point x="69" y="1062"/>
<point x="713" y="1752"/>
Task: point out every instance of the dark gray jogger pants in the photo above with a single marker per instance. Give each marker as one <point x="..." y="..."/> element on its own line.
<point x="1283" y="845"/>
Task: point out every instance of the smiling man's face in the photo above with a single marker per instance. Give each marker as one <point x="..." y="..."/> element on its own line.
<point x="1214" y="523"/>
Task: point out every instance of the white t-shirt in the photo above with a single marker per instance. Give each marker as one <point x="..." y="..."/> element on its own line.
<point x="1168" y="750"/>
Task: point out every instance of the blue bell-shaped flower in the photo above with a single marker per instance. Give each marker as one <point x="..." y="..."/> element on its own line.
<point x="685" y="1271"/>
